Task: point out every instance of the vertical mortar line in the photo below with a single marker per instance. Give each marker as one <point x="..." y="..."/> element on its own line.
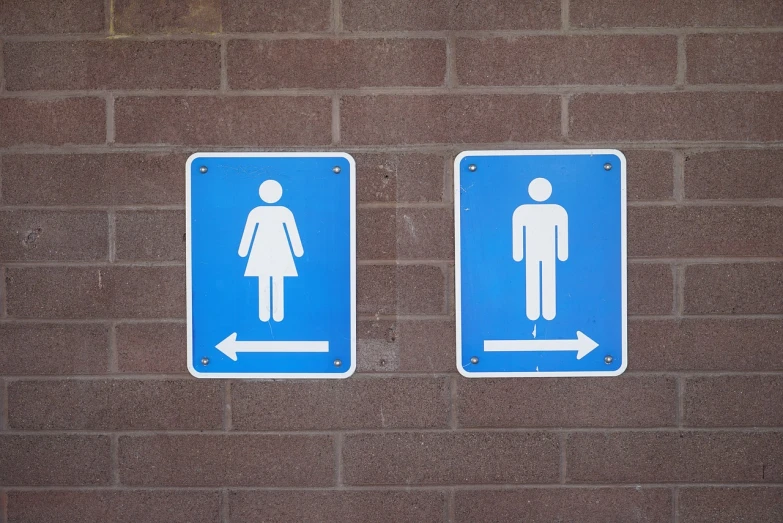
<point x="453" y="422"/>
<point x="679" y="290"/>
<point x="680" y="383"/>
<point x="451" y="61"/>
<point x="227" y="417"/>
<point x="112" y="235"/>
<point x="110" y="119"/>
<point x="451" y="509"/>
<point x="448" y="179"/>
<point x="3" y="506"/>
<point x="338" y="460"/>
<point x="3" y="293"/>
<point x="223" y="65"/>
<point x="115" y="459"/>
<point x="225" y="510"/>
<point x="676" y="505"/>
<point x="107" y="12"/>
<point x="111" y="16"/>
<point x="2" y="69"/>
<point x="3" y="405"/>
<point x="682" y="64"/>
<point x="679" y="176"/>
<point x="564" y="100"/>
<point x="563" y="440"/>
<point x="337" y="21"/>
<point x="335" y="119"/>
<point x="113" y="357"/>
<point x="564" y="15"/>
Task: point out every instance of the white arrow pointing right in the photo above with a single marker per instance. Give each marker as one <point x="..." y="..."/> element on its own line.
<point x="583" y="345"/>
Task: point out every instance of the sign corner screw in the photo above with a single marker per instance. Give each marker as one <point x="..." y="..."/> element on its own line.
<point x="608" y="359"/>
<point x="205" y="361"/>
<point x="336" y="170"/>
<point x="472" y="167"/>
<point x="337" y="363"/>
<point x="607" y="167"/>
<point x="202" y="169"/>
<point x="474" y="360"/>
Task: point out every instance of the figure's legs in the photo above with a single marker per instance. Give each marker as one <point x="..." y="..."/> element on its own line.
<point x="548" y="294"/>
<point x="263" y="298"/>
<point x="532" y="289"/>
<point x="277" y="298"/>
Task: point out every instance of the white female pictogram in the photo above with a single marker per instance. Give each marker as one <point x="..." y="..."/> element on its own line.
<point x="266" y="239"/>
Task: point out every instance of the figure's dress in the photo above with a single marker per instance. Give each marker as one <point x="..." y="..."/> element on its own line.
<point x="270" y="251"/>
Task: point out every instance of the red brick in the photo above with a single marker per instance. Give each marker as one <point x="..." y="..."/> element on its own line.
<point x="733" y="401"/>
<point x="684" y="456"/>
<point x="692" y="116"/>
<point x="410" y="15"/>
<point x="45" y="348"/>
<point x="706" y="345"/>
<point x="53" y="17"/>
<point x="202" y="120"/>
<point x="731" y="174"/>
<point x="735" y="59"/>
<point x="227" y="461"/>
<point x="536" y="505"/>
<point x="343" y="506"/>
<point x="399" y="177"/>
<point x="93" y="179"/>
<point x="411" y="119"/>
<point x="650" y="289"/>
<point x="345" y="404"/>
<point x="151" y="347"/>
<point x="675" y="13"/>
<point x="276" y="16"/>
<point x="705" y="231"/>
<point x="649" y="175"/>
<point x="115" y="405"/>
<point x="727" y="504"/>
<point x="151" y="235"/>
<point x="638" y="401"/>
<point x="405" y="233"/>
<point x="125" y="506"/>
<point x="52" y="121"/>
<point x="53" y="236"/>
<point x="112" y="64"/>
<point x="54" y="460"/>
<point x="742" y="288"/>
<point x="465" y="458"/>
<point x="403" y="289"/>
<point x="568" y="60"/>
<point x="334" y="64"/>
<point x="96" y="292"/>
<point x="405" y="346"/>
<point x="161" y="16"/>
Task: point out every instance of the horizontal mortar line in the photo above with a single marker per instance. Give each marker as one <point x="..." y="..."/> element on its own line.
<point x="79" y="321"/>
<point x="100" y="264"/>
<point x="696" y="202"/>
<point x="396" y="261"/>
<point x="393" y="487"/>
<point x="345" y="34"/>
<point x="702" y="373"/>
<point x="97" y="207"/>
<point x="120" y="376"/>
<point x="697" y="260"/>
<point x="403" y="317"/>
<point x="147" y="433"/>
<point x="405" y="205"/>
<point x="722" y="317"/>
<point x="436" y="148"/>
<point x="474" y="90"/>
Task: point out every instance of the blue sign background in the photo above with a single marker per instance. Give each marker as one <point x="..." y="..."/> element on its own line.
<point x="318" y="302"/>
<point x="589" y="288"/>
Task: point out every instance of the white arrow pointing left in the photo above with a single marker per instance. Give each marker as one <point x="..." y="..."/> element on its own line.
<point x="583" y="345"/>
<point x="230" y="346"/>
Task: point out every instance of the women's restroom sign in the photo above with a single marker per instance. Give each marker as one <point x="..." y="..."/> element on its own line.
<point x="540" y="243"/>
<point x="271" y="268"/>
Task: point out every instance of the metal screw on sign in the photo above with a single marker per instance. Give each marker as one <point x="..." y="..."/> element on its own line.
<point x="608" y="359"/>
<point x="472" y="168"/>
<point x="607" y="167"/>
<point x="205" y="361"/>
<point x="337" y="363"/>
<point x="202" y="169"/>
<point x="474" y="360"/>
<point x="336" y="169"/>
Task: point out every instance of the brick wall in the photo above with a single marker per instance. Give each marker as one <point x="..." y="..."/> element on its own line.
<point x="100" y="104"/>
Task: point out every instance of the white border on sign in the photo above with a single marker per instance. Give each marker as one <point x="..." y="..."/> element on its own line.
<point x="458" y="263"/>
<point x="239" y="375"/>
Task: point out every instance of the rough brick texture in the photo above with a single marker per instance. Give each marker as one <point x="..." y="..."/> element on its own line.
<point x="102" y="102"/>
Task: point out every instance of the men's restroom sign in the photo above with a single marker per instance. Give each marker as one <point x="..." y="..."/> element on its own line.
<point x="540" y="239"/>
<point x="271" y="265"/>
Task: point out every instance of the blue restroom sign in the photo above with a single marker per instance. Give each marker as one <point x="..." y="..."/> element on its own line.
<point x="540" y="240"/>
<point x="271" y="271"/>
